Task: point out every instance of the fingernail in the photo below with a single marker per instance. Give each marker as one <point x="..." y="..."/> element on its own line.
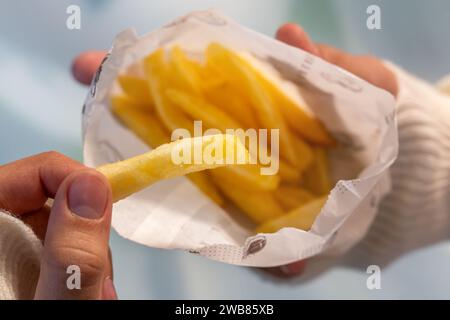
<point x="109" y="291"/>
<point x="87" y="195"/>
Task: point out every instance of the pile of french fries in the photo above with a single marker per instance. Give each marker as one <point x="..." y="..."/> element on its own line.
<point x="225" y="90"/>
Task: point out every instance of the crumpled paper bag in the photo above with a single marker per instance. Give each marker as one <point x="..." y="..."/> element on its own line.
<point x="174" y="214"/>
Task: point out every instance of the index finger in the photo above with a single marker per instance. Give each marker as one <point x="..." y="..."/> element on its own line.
<point x="26" y="184"/>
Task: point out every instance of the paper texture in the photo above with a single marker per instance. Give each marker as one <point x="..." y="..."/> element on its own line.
<point x="174" y="214"/>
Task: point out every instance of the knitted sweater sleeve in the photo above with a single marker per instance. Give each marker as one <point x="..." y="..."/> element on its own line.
<point x="417" y="210"/>
<point x="20" y="252"/>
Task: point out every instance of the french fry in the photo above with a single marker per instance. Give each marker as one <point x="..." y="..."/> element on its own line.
<point x="317" y="179"/>
<point x="156" y="70"/>
<point x="250" y="174"/>
<point x="248" y="177"/>
<point x="260" y="206"/>
<point x="199" y="109"/>
<point x="288" y="173"/>
<point x="304" y="153"/>
<point x="149" y="129"/>
<point x="269" y="116"/>
<point x="143" y="124"/>
<point x="233" y="103"/>
<point x="300" y="121"/>
<point x="291" y="197"/>
<point x="228" y="92"/>
<point x="203" y="181"/>
<point x="185" y="72"/>
<point x="209" y="78"/>
<point x="125" y="101"/>
<point x="134" y="174"/>
<point x="301" y="218"/>
<point x="136" y="88"/>
<point x="190" y="76"/>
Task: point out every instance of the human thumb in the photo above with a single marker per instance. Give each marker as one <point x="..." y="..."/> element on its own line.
<point x="75" y="262"/>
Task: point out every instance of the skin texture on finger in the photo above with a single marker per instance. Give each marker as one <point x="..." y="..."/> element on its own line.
<point x="366" y="67"/>
<point x="293" y="35"/>
<point x="86" y="64"/>
<point x="38" y="221"/>
<point x="287" y="271"/>
<point x="77" y="236"/>
<point x="293" y="269"/>
<point x="26" y="184"/>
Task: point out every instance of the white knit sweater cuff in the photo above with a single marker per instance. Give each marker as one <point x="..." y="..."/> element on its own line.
<point x="417" y="210"/>
<point x="20" y="252"/>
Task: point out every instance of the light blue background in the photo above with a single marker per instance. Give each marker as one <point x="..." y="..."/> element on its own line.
<point x="40" y="108"/>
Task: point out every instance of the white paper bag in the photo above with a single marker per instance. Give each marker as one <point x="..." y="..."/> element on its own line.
<point x="174" y="214"/>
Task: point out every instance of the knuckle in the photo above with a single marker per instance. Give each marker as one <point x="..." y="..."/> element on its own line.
<point x="49" y="155"/>
<point x="54" y="158"/>
<point x="91" y="264"/>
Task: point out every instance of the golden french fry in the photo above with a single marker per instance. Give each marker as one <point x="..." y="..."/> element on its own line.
<point x="301" y="218"/>
<point x="250" y="174"/>
<point x="260" y="206"/>
<point x="269" y="116"/>
<point x="149" y="129"/>
<point x="299" y="121"/>
<point x="136" y="88"/>
<point x="248" y="177"/>
<point x="291" y="197"/>
<point x="316" y="178"/>
<point x="156" y="70"/>
<point x="233" y="103"/>
<point x="209" y="78"/>
<point x="304" y="153"/>
<point x="126" y="101"/>
<point x="199" y="109"/>
<point x="142" y="123"/>
<point x="296" y="116"/>
<point x="134" y="174"/>
<point x="202" y="180"/>
<point x="185" y="72"/>
<point x="288" y="173"/>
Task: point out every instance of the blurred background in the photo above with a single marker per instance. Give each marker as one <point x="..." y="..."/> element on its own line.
<point x="40" y="106"/>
